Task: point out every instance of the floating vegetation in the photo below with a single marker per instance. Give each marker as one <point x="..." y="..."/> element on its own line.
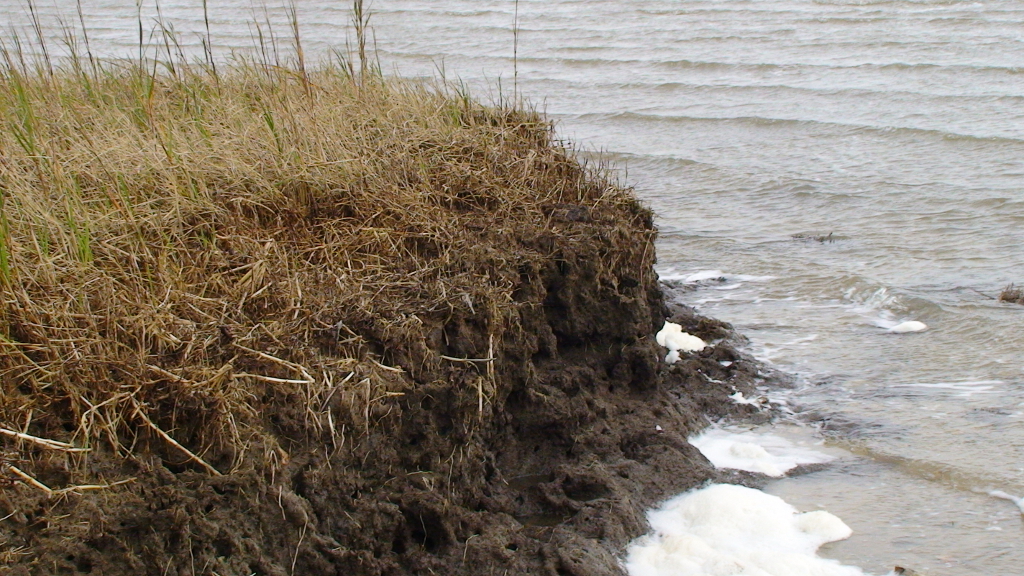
<point x="1012" y="294"/>
<point x="822" y="238"/>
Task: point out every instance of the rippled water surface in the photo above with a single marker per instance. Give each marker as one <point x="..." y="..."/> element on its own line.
<point x="896" y="127"/>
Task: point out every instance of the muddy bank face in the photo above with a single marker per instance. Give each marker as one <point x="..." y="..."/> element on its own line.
<point x="436" y="356"/>
<point x="540" y="461"/>
<point x="585" y="429"/>
<point x="555" y="474"/>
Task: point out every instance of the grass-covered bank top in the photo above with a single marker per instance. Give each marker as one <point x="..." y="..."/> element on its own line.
<point x="181" y="248"/>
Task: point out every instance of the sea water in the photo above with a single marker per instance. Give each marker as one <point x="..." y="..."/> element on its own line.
<point x="821" y="170"/>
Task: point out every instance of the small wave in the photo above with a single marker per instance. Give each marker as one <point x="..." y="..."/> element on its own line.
<point x="901" y="67"/>
<point x="951" y="475"/>
<point x="962" y="389"/>
<point x="883" y="307"/>
<point x="830" y="90"/>
<point x="767" y="454"/>
<point x="700" y="276"/>
<point x="871" y="299"/>
<point x="704" y="275"/>
<point x="773" y="67"/>
<point x="958" y="68"/>
<point x="763" y="121"/>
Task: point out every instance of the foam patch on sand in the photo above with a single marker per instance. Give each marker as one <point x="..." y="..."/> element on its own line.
<point x="765" y="453"/>
<point x="726" y="530"/>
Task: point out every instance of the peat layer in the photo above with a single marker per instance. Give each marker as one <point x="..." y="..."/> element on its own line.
<point x="303" y="325"/>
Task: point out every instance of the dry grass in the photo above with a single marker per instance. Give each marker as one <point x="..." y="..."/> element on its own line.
<point x="184" y="246"/>
<point x="1012" y="294"/>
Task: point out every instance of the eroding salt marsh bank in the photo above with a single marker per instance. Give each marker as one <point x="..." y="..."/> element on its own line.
<point x="298" y="320"/>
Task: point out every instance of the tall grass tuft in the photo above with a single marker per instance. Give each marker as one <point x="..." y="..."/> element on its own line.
<point x="186" y="247"/>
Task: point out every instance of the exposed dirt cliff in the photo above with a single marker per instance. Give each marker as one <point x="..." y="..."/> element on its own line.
<point x="540" y="462"/>
<point x="384" y="339"/>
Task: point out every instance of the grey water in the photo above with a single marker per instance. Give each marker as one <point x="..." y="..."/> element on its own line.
<point x="896" y="127"/>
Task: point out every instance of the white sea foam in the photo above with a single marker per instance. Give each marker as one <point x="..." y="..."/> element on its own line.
<point x="671" y="336"/>
<point x="739" y="398"/>
<point x="767" y="454"/>
<point x="908" y="326"/>
<point x="731" y="530"/>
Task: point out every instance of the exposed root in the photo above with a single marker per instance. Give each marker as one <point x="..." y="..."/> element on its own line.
<point x="42" y="442"/>
<point x="28" y="479"/>
<point x="92" y="487"/>
<point x="469" y="360"/>
<point x="142" y="415"/>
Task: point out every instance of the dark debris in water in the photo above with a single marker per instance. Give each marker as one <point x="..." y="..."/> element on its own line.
<point x="1012" y="294"/>
<point x="822" y="238"/>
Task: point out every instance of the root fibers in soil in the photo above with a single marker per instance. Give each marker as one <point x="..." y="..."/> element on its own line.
<point x="583" y="427"/>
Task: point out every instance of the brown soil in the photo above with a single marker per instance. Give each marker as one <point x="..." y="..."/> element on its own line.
<point x="435" y="357"/>
<point x="551" y="476"/>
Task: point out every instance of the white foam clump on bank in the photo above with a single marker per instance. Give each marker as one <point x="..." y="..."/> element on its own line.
<point x="672" y="337"/>
<point x="767" y="454"/>
<point x="739" y="398"/>
<point x="727" y="530"/>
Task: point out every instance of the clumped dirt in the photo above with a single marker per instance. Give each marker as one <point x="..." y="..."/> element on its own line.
<point x="542" y="463"/>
